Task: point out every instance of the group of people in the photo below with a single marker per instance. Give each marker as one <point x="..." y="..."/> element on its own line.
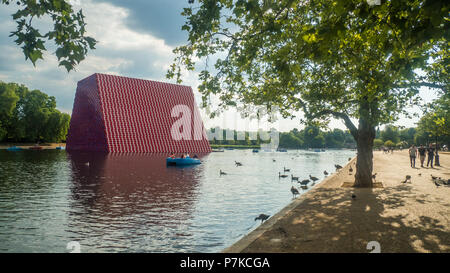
<point x="422" y="151"/>
<point x="184" y="155"/>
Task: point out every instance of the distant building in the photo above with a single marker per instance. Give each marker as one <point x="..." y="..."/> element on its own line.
<point x="120" y="114"/>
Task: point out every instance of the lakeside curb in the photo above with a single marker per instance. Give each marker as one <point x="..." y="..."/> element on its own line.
<point x="249" y="238"/>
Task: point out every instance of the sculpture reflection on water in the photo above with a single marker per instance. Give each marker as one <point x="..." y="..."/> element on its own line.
<point x="131" y="198"/>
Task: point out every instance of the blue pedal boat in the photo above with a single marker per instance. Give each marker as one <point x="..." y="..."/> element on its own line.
<point x="182" y="161"/>
<point x="14" y="148"/>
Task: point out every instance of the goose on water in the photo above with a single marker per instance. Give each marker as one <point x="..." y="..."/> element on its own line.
<point x="262" y="217"/>
<point x="282" y="175"/>
<point x="313" y="178"/>
<point x="222" y="173"/>
<point x="325" y="172"/>
<point x="294" y="178"/>
<point x="286" y="170"/>
<point x="237" y="163"/>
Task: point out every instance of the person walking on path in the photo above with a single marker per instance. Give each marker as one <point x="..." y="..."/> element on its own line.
<point x="422" y="151"/>
<point x="412" y="156"/>
<point x="430" y="151"/>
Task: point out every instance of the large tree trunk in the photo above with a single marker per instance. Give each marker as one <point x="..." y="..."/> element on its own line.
<point x="364" y="158"/>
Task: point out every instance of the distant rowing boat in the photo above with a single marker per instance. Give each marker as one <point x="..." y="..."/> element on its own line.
<point x="14" y="148"/>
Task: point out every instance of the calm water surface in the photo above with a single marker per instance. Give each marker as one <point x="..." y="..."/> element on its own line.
<point x="134" y="203"/>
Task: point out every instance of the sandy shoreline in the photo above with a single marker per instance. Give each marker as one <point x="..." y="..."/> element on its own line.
<point x="401" y="217"/>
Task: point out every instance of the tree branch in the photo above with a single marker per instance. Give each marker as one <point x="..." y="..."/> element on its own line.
<point x="343" y="116"/>
<point x="419" y="84"/>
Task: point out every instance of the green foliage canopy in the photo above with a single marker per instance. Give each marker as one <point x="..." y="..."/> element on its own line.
<point x="68" y="33"/>
<point x="328" y="58"/>
<point x="30" y="116"/>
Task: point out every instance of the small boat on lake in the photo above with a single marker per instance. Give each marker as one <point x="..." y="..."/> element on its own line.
<point x="59" y="148"/>
<point x="255" y="151"/>
<point x="182" y="161"/>
<point x="14" y="148"/>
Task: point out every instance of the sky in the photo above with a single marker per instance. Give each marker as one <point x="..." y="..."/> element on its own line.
<point x="135" y="39"/>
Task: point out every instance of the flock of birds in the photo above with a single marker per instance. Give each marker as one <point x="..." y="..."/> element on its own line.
<point x="439" y="181"/>
<point x="303" y="183"/>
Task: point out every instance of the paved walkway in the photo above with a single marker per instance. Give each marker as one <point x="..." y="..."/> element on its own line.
<point x="402" y="217"/>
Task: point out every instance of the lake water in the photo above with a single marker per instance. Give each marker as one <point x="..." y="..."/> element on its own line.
<point x="135" y="203"/>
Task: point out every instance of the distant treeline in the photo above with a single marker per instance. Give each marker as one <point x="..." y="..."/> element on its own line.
<point x="314" y="137"/>
<point x="30" y="116"/>
<point x="392" y="136"/>
<point x="310" y="137"/>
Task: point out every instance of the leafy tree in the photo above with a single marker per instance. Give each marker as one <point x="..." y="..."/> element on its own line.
<point x="389" y="143"/>
<point x="402" y="145"/>
<point x="8" y="100"/>
<point x="335" y="139"/>
<point x="68" y="33"/>
<point x="436" y="123"/>
<point x="378" y="143"/>
<point x="313" y="137"/>
<point x="289" y="140"/>
<point x="344" y="59"/>
<point x="31" y="115"/>
<point x="390" y="133"/>
<point x="407" y="135"/>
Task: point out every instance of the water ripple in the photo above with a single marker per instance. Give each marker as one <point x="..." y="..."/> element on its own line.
<point x="134" y="203"/>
